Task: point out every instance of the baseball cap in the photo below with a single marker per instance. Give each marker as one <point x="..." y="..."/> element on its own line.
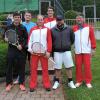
<point x="59" y="17"/>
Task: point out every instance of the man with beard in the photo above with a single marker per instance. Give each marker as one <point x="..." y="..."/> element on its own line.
<point x="62" y="39"/>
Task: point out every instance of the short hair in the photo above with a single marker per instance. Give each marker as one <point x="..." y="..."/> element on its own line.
<point x="50" y="7"/>
<point x="40" y="15"/>
<point x="81" y="15"/>
<point x="28" y="12"/>
<point x="16" y="14"/>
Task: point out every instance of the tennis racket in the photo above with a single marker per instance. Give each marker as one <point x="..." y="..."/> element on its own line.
<point x="39" y="50"/>
<point x="12" y="37"/>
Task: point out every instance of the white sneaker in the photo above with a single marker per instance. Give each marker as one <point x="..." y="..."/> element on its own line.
<point x="71" y="85"/>
<point x="78" y="84"/>
<point x="89" y="85"/>
<point x="56" y="85"/>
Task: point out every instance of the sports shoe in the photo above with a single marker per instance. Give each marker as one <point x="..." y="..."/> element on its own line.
<point x="48" y="89"/>
<point x="78" y="84"/>
<point x="32" y="89"/>
<point x="56" y="85"/>
<point x="8" y="87"/>
<point x="22" y="87"/>
<point x="89" y="85"/>
<point x="71" y="85"/>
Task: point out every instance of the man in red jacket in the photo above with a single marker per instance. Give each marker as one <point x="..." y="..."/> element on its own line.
<point x="42" y="35"/>
<point x="85" y="45"/>
<point x="50" y="21"/>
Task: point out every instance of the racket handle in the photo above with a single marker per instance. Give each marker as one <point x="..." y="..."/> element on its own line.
<point x="52" y="60"/>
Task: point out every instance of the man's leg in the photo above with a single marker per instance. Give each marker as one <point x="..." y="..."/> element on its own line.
<point x="68" y="63"/>
<point x="78" y="62"/>
<point x="58" y="67"/>
<point x="45" y="74"/>
<point x="21" y="71"/>
<point x="21" y="60"/>
<point x="70" y="80"/>
<point x="69" y="73"/>
<point x="33" y="71"/>
<point x="87" y="69"/>
<point x="9" y="70"/>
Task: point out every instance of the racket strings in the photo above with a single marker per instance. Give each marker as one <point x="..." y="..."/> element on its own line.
<point x="12" y="36"/>
<point x="38" y="48"/>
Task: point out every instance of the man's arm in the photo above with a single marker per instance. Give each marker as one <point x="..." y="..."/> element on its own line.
<point x="49" y="43"/>
<point x="72" y="36"/>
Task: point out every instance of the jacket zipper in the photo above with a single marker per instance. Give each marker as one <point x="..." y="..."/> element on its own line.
<point x="40" y="40"/>
<point x="81" y="39"/>
<point x="61" y="39"/>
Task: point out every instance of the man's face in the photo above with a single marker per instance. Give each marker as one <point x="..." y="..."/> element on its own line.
<point x="50" y="12"/>
<point x="17" y="19"/>
<point x="28" y="16"/>
<point x="40" y="21"/>
<point x="79" y="20"/>
<point x="60" y="22"/>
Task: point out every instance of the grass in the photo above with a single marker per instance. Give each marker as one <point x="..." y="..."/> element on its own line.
<point x="83" y="93"/>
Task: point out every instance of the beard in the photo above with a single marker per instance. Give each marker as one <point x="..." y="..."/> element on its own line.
<point x="60" y="26"/>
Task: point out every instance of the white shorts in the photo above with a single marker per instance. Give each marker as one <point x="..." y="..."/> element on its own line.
<point x="63" y="58"/>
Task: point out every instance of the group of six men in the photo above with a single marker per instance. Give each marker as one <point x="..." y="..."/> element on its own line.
<point x="57" y="38"/>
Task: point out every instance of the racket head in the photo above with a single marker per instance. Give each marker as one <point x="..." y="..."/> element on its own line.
<point x="38" y="48"/>
<point x="11" y="36"/>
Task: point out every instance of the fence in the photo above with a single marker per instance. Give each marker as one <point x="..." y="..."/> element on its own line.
<point x="91" y="21"/>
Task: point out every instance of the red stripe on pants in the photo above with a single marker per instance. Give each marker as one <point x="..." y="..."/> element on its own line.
<point x="34" y="64"/>
<point x="83" y="60"/>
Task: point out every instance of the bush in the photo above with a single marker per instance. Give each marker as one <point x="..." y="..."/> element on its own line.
<point x="2" y="24"/>
<point x="3" y="53"/>
<point x="3" y="17"/>
<point x="71" y="14"/>
<point x="70" y="17"/>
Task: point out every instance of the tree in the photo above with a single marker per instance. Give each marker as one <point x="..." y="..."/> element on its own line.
<point x="78" y="6"/>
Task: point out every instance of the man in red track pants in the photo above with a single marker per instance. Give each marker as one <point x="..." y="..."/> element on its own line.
<point x="43" y="35"/>
<point x="85" y="45"/>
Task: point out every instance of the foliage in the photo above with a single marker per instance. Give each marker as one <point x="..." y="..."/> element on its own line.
<point x="71" y="14"/>
<point x="3" y="53"/>
<point x="78" y="6"/>
<point x="3" y="17"/>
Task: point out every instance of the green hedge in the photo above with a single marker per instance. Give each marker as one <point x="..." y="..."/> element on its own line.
<point x="3" y="53"/>
<point x="71" y="14"/>
<point x="3" y="17"/>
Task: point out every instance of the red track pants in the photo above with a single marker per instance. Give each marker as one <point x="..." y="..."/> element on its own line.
<point x="83" y="73"/>
<point x="34" y="64"/>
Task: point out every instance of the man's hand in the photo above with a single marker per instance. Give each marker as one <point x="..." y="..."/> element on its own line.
<point x="31" y="52"/>
<point x="93" y="52"/>
<point x="47" y="55"/>
<point x="19" y="47"/>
